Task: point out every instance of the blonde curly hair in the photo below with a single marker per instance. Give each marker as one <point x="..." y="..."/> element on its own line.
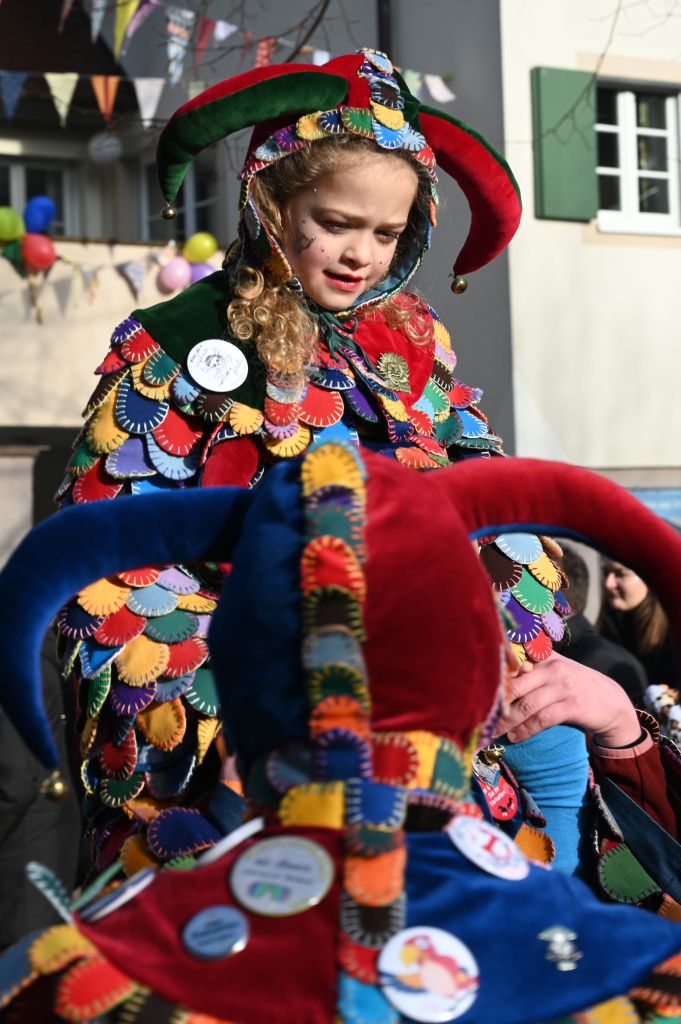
<point x="269" y="313"/>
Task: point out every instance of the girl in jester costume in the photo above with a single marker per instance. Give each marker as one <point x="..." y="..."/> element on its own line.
<point x="365" y="886"/>
<point x="308" y="335"/>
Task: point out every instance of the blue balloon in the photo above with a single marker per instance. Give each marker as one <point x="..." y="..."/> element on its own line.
<point x="39" y="213"/>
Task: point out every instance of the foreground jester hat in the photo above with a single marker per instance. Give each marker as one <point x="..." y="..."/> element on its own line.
<point x="291" y="105"/>
<point x="357" y="672"/>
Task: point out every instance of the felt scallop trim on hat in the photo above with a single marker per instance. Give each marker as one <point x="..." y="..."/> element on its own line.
<point x="290" y="105"/>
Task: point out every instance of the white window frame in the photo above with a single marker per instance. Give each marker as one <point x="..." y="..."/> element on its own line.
<point x="17" y="187"/>
<point x="629" y="219"/>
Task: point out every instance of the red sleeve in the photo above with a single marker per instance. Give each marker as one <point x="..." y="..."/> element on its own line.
<point x="638" y="771"/>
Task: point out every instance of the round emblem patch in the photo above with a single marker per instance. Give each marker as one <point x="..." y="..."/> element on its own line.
<point x="217" y="365"/>
<point x="488" y="848"/>
<point x="428" y="975"/>
<point x="215" y="933"/>
<point x="282" y="876"/>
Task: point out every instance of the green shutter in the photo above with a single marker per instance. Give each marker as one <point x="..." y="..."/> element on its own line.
<point x="565" y="185"/>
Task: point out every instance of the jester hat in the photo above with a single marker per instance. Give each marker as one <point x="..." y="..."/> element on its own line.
<point x="354" y="739"/>
<point x="292" y="105"/>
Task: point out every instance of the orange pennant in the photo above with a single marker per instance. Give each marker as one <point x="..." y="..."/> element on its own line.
<point x="105" y="88"/>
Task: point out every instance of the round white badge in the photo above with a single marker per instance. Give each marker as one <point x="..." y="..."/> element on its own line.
<point x="428" y="975"/>
<point x="215" y="933"/>
<point x="217" y="365"/>
<point x="488" y="848"/>
<point x="282" y="876"/>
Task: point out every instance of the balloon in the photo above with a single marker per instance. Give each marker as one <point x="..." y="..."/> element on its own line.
<point x="11" y="224"/>
<point x="39" y="213"/>
<point x="176" y="274"/>
<point x="197" y="271"/>
<point x="104" y="148"/>
<point x="38" y="252"/>
<point x="199" y="247"/>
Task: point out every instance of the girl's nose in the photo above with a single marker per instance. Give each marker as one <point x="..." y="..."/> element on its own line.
<point x="358" y="250"/>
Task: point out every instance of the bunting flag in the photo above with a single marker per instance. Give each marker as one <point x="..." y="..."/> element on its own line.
<point x="206" y="29"/>
<point x="265" y="51"/>
<point x="97" y="9"/>
<point x="438" y="90"/>
<point x="90" y="279"/>
<point x="62" y="86"/>
<point x="105" y="88"/>
<point x="145" y="8"/>
<point x="65" y="11"/>
<point x="414" y="82"/>
<point x="180" y="22"/>
<point x="148" y="91"/>
<point x="223" y="30"/>
<point x="11" y="84"/>
<point x="195" y="87"/>
<point x="133" y="272"/>
<point x="320" y="56"/>
<point x="124" y="12"/>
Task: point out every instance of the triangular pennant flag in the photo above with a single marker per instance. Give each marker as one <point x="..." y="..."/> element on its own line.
<point x="105" y="88"/>
<point x="148" y="92"/>
<point x="180" y="22"/>
<point x="438" y="90"/>
<point x="265" y="51"/>
<point x="133" y="272"/>
<point x="145" y="8"/>
<point x="97" y="9"/>
<point x="206" y="26"/>
<point x="124" y="12"/>
<point x="222" y="30"/>
<point x="90" y="279"/>
<point x="11" y="84"/>
<point x="414" y="82"/>
<point x="320" y="56"/>
<point x="62" y="86"/>
<point x="77" y="287"/>
<point x="65" y="11"/>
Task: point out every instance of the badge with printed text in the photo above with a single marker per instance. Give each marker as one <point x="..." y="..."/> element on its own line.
<point x="488" y="848"/>
<point x="217" y="365"/>
<point x="501" y="799"/>
<point x="428" y="974"/>
<point x="215" y="933"/>
<point x="282" y="876"/>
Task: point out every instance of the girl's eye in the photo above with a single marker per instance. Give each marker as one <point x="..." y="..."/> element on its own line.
<point x="335" y="225"/>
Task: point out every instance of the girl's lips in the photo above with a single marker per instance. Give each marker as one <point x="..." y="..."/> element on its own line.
<point x="345" y="282"/>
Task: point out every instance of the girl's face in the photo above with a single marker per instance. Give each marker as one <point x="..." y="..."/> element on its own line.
<point x="623" y="589"/>
<point x="340" y="233"/>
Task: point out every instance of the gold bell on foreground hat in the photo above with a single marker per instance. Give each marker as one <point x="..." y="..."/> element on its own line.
<point x="343" y="898"/>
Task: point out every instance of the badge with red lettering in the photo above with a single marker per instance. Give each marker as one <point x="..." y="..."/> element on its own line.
<point x="488" y="848"/>
<point x="501" y="799"/>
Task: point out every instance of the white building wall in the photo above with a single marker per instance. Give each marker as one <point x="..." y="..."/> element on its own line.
<point x="595" y="317"/>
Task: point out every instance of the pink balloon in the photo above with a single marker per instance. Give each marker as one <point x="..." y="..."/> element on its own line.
<point x="38" y="252"/>
<point x="200" y="270"/>
<point x="174" y="275"/>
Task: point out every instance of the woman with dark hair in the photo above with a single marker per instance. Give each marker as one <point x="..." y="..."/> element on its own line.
<point x="632" y="616"/>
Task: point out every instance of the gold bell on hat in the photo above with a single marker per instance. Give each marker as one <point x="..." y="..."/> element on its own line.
<point x="53" y="787"/>
<point x="169" y="212"/>
<point x="459" y="285"/>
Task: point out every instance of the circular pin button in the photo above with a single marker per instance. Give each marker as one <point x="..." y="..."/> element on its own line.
<point x="282" y="876"/>
<point x="428" y="975"/>
<point x="217" y="365"/>
<point x="215" y="933"/>
<point x="488" y="848"/>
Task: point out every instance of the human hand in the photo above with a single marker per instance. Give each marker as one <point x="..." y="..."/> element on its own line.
<point x="558" y="691"/>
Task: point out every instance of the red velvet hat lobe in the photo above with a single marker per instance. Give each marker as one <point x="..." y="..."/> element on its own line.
<point x="433" y="647"/>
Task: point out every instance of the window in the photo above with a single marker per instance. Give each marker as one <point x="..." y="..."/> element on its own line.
<point x="196" y="202"/>
<point x="21" y="181"/>
<point x="637" y="162"/>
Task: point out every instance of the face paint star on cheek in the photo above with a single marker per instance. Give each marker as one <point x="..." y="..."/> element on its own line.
<point x="303" y="242"/>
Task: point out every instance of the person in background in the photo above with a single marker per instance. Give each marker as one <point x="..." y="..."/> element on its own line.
<point x="631" y="615"/>
<point x="587" y="646"/>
